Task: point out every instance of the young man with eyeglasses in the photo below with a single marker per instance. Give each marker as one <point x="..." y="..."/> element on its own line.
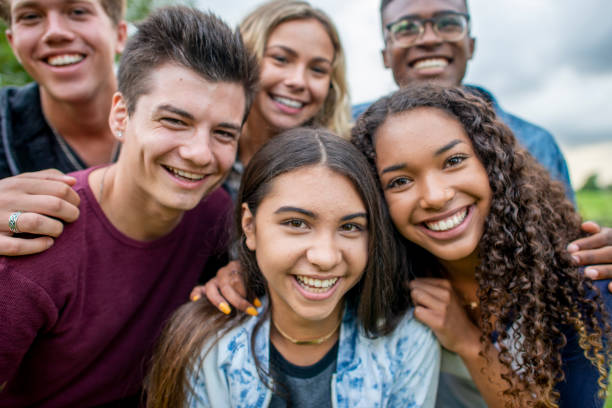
<point x="429" y="40"/>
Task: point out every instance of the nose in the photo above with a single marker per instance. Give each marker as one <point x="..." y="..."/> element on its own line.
<point x="296" y="77"/>
<point x="198" y="149"/>
<point x="429" y="36"/>
<point x="435" y="193"/>
<point x="324" y="252"/>
<point x="57" y="28"/>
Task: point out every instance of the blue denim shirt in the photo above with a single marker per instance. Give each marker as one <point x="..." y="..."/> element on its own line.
<point x="397" y="370"/>
<point x="538" y="141"/>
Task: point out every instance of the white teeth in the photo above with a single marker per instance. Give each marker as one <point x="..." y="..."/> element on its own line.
<point x="65" y="59"/>
<point x="431" y="63"/>
<point x="316" y="285"/>
<point x="448" y="223"/>
<point x="288" y="102"/>
<point x="185" y="174"/>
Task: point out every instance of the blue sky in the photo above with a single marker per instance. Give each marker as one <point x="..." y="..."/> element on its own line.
<point x="549" y="61"/>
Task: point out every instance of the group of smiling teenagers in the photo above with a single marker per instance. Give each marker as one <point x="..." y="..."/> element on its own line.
<point x="414" y="253"/>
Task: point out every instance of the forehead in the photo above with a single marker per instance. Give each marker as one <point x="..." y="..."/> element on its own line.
<point x="47" y="3"/>
<point x="316" y="188"/>
<point x="181" y="87"/>
<point x="303" y="36"/>
<point x="417" y="130"/>
<point x="421" y="8"/>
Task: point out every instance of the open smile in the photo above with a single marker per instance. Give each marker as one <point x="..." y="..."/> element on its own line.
<point x="449" y="227"/>
<point x="316" y="289"/>
<point x="182" y="174"/>
<point x="63" y="60"/>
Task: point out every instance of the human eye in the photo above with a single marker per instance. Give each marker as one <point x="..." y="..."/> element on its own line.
<point x="398" y="182"/>
<point x="278" y="58"/>
<point x="226" y="135"/>
<point x="455" y="160"/>
<point x="295" y="223"/>
<point x="450" y="23"/>
<point x="28" y="16"/>
<point x="352" y="227"/>
<point x="320" y="70"/>
<point x="173" y="122"/>
<point x="405" y="27"/>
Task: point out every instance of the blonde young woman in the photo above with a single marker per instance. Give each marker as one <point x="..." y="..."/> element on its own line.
<point x="302" y="78"/>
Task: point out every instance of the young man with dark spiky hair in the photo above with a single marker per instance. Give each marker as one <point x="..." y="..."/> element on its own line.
<point x="79" y="320"/>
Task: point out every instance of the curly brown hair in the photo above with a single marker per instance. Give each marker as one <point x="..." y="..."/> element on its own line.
<point x="529" y="291"/>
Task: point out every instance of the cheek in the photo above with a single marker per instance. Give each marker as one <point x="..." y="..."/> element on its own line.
<point x="319" y="90"/>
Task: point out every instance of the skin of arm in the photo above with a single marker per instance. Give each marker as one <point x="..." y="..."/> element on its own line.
<point x="45" y="198"/>
<point x="439" y="307"/>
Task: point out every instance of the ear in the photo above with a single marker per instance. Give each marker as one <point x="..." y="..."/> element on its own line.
<point x="9" y="37"/>
<point x="472" y="47"/>
<point x="118" y="117"/>
<point x="248" y="227"/>
<point x="386" y="57"/>
<point x="121" y="37"/>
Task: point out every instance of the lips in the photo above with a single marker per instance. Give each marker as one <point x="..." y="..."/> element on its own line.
<point x="447" y="223"/>
<point x="290" y="103"/>
<point x="186" y="175"/>
<point x="316" y="285"/>
<point x="430" y="63"/>
<point x="64" y="59"/>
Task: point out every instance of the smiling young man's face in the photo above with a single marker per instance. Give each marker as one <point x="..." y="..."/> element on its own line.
<point x="181" y="139"/>
<point x="430" y="58"/>
<point x="68" y="47"/>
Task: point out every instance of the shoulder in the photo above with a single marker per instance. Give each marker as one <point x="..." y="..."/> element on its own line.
<point x="359" y="108"/>
<point x="216" y="204"/>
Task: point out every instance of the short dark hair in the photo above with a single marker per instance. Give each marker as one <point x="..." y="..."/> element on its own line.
<point x="114" y="9"/>
<point x="190" y="38"/>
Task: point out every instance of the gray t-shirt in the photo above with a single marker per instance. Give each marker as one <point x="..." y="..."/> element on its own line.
<point x="297" y="384"/>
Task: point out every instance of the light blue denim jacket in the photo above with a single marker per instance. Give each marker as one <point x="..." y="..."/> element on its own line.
<point x="538" y="141"/>
<point x="397" y="370"/>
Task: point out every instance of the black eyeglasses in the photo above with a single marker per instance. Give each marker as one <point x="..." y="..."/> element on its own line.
<point x="448" y="26"/>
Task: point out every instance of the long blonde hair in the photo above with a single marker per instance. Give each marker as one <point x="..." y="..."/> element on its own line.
<point x="256" y="28"/>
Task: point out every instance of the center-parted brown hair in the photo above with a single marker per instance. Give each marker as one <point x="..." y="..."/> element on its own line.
<point x="378" y="297"/>
<point x="525" y="279"/>
<point x="114" y="9"/>
<point x="188" y="38"/>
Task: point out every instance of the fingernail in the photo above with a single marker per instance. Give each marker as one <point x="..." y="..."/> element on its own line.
<point x="195" y="298"/>
<point x="251" y="311"/>
<point x="224" y="307"/>
<point x="572" y="248"/>
<point x="591" y="273"/>
<point x="257" y="302"/>
<point x="575" y="259"/>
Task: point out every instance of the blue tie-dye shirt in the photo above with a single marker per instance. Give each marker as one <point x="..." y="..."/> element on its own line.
<point x="397" y="370"/>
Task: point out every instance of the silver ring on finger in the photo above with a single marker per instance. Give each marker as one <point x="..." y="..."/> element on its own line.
<point x="12" y="222"/>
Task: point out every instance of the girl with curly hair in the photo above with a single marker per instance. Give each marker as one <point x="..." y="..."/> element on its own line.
<point x="485" y="230"/>
<point x="334" y="329"/>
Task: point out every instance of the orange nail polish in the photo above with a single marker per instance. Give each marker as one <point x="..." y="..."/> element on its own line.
<point x="224" y="307"/>
<point x="251" y="311"/>
<point x="257" y="302"/>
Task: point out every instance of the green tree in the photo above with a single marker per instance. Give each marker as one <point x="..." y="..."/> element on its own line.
<point x="591" y="183"/>
<point x="13" y="74"/>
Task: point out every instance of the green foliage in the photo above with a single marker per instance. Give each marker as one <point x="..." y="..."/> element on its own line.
<point x="591" y="183"/>
<point x="595" y="206"/>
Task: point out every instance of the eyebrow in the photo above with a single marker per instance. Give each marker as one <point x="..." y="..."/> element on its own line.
<point x="185" y="114"/>
<point x="393" y="168"/>
<point x="295" y="54"/>
<point x="447" y="147"/>
<point x="312" y="215"/>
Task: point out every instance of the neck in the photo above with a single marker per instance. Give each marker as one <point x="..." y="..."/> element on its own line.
<point x="462" y="276"/>
<point x="255" y="134"/>
<point x="143" y="219"/>
<point x="302" y="329"/>
<point x="83" y="124"/>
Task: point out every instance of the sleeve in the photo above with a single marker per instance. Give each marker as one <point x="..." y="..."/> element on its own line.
<point x="25" y="309"/>
<point x="207" y="384"/>
<point x="418" y="367"/>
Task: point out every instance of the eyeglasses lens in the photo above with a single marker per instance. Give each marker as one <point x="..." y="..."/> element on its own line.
<point x="448" y="27"/>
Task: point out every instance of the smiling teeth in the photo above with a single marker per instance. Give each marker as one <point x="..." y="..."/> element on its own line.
<point x="66" y="59"/>
<point x="431" y="63"/>
<point x="447" y="223"/>
<point x="288" y="102"/>
<point x="316" y="285"/>
<point x="185" y="174"/>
